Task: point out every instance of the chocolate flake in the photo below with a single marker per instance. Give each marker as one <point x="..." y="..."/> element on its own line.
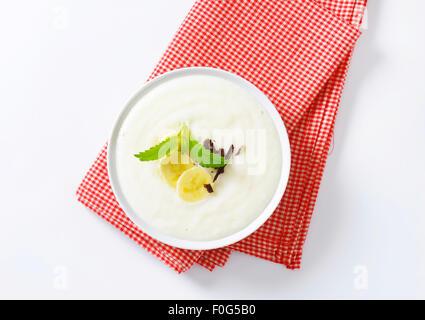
<point x="219" y="171"/>
<point x="230" y="152"/>
<point x="209" y="144"/>
<point x="239" y="150"/>
<point x="209" y="188"/>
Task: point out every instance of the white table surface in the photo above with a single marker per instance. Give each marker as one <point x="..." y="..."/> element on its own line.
<point x="66" y="69"/>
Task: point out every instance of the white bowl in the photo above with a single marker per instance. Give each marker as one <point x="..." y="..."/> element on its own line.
<point x="255" y="224"/>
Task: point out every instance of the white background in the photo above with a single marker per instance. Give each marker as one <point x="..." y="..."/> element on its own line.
<point x="66" y="69"/>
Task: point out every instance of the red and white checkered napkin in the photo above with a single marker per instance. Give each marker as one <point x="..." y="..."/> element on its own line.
<point x="296" y="52"/>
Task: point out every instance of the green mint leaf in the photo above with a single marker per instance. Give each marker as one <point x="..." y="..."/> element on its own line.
<point x="160" y="150"/>
<point x="184" y="138"/>
<point x="197" y="151"/>
<point x="205" y="157"/>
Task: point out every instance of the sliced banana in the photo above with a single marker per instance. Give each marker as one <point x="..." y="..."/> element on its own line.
<point x="190" y="186"/>
<point x="173" y="166"/>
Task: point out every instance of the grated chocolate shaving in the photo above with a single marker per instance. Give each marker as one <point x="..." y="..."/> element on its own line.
<point x="230" y="152"/>
<point x="209" y="144"/>
<point x="239" y="150"/>
<point x="219" y="171"/>
<point x="209" y="188"/>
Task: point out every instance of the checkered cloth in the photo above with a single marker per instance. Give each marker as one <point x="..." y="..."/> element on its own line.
<point x="297" y="52"/>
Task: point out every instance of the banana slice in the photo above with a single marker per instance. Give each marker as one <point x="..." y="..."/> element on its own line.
<point x="173" y="166"/>
<point x="190" y="186"/>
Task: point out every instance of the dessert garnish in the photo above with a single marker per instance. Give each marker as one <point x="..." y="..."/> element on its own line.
<point x="190" y="186"/>
<point x="182" y="163"/>
<point x="184" y="142"/>
<point x="219" y="171"/>
<point x="172" y="167"/>
<point x="209" y="144"/>
<point x="209" y="188"/>
<point x="241" y="148"/>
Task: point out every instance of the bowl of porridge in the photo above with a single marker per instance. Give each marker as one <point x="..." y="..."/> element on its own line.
<point x="199" y="158"/>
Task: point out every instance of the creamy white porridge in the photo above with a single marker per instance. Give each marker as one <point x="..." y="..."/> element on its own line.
<point x="212" y="108"/>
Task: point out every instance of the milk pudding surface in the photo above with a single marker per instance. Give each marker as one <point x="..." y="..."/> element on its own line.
<point x="198" y="158"/>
